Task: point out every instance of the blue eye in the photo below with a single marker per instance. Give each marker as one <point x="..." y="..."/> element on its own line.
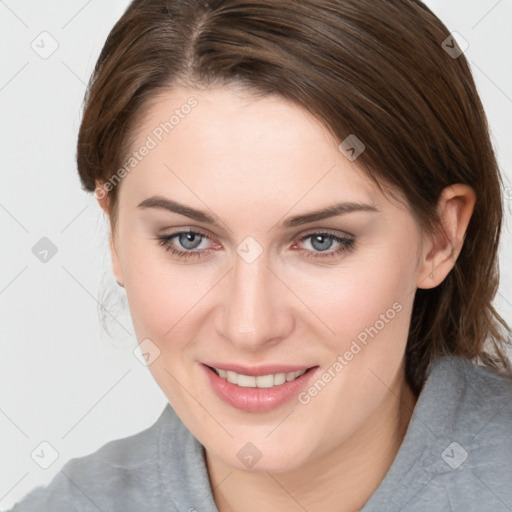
<point x="190" y="240"/>
<point x="187" y="239"/>
<point x="324" y="241"/>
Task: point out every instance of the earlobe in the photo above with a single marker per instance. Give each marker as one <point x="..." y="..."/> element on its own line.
<point x="116" y="263"/>
<point x="455" y="207"/>
<point x="102" y="196"/>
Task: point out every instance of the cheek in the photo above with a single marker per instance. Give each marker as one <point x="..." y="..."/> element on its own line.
<point x="162" y="295"/>
<point x="361" y="298"/>
<point x="368" y="305"/>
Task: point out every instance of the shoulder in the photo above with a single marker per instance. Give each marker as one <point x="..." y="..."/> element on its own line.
<point x="124" y="470"/>
<point x="457" y="452"/>
<point x="472" y="404"/>
<point x="470" y="416"/>
<point x="470" y="398"/>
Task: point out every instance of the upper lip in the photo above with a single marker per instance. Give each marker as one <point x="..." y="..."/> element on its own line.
<point x="255" y="371"/>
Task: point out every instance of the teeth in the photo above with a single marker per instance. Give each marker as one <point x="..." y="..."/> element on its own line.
<point x="290" y="376"/>
<point x="246" y="381"/>
<point x="232" y="377"/>
<point x="261" y="381"/>
<point x="279" y="378"/>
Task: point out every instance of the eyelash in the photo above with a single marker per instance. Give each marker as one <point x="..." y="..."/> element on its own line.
<point x="346" y="245"/>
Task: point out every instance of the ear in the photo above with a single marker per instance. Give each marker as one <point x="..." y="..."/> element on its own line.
<point x="103" y="199"/>
<point x="441" y="250"/>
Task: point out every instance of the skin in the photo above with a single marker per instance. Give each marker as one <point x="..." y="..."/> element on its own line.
<point x="251" y="163"/>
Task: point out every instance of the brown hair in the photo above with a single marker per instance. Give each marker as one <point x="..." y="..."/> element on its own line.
<point x="374" y="68"/>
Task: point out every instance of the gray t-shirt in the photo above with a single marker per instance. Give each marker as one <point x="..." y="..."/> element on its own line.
<point x="456" y="456"/>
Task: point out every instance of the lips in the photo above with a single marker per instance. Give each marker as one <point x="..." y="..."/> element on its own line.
<point x="247" y="395"/>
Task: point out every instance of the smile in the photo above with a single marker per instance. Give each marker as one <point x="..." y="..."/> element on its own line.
<point x="268" y="388"/>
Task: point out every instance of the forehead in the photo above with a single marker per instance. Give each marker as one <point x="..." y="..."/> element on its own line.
<point x="227" y="142"/>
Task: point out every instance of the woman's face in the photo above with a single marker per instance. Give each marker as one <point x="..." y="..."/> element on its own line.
<point x="264" y="287"/>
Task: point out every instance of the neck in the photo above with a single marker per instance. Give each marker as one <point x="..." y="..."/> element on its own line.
<point x="341" y="480"/>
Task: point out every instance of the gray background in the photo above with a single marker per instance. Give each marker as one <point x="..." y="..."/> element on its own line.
<point x="63" y="380"/>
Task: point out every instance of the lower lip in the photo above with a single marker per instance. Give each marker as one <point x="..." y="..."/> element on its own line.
<point x="257" y="399"/>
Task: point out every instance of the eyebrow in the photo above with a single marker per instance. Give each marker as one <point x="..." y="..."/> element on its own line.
<point x="334" y="210"/>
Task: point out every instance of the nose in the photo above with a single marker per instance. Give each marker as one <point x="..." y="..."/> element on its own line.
<point x="256" y="310"/>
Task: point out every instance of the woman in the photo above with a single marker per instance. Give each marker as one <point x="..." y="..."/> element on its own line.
<point x="305" y="213"/>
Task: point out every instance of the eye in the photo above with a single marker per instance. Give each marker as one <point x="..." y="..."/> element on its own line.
<point x="323" y="241"/>
<point x="189" y="240"/>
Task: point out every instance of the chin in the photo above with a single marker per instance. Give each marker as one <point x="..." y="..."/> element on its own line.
<point x="256" y="458"/>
